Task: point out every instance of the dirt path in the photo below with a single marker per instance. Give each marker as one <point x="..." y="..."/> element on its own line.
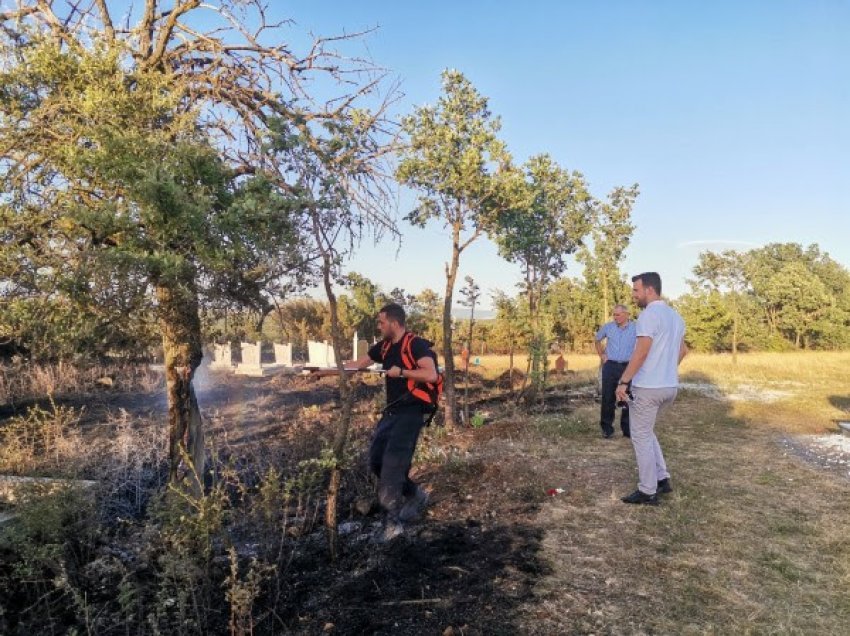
<point x="828" y="453"/>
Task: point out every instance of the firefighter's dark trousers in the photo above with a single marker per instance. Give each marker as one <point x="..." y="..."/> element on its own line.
<point x="391" y="454"/>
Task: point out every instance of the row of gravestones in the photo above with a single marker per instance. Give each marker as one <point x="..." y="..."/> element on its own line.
<point x="251" y="364"/>
<point x="320" y="354"/>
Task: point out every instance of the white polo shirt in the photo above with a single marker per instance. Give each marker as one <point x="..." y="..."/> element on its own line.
<point x="665" y="326"/>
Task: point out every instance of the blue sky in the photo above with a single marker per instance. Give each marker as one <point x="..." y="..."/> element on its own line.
<point x="734" y="117"/>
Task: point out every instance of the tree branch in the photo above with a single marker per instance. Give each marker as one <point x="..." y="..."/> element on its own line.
<point x="475" y="235"/>
<point x="106" y="19"/>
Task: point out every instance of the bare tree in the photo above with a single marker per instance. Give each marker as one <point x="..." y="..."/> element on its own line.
<point x="471" y="293"/>
<point x="340" y="169"/>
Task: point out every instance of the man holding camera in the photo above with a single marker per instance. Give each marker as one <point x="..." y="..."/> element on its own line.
<point x="650" y="383"/>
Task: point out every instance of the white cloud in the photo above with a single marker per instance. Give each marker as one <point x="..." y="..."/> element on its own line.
<point x="716" y="243"/>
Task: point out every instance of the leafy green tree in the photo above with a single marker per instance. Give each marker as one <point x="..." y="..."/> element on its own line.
<point x="779" y="296"/>
<point x="574" y="312"/>
<point x="611" y="234"/>
<point x="548" y="225"/>
<point x="510" y="330"/>
<point x="803" y="293"/>
<point x="298" y="320"/>
<point x="142" y="193"/>
<point x="337" y="167"/>
<point x="425" y="315"/>
<point x="797" y="299"/>
<point x="726" y="272"/>
<point x="708" y="317"/>
<point x="464" y="177"/>
<point x="360" y="305"/>
<point x="48" y="321"/>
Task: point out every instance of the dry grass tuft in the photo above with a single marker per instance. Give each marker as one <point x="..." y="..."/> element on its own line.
<point x="23" y="381"/>
<point x="800" y="392"/>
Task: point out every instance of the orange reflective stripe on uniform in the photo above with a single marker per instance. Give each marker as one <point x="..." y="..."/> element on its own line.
<point x="428" y="392"/>
<point x="422" y="395"/>
<point x="407" y="351"/>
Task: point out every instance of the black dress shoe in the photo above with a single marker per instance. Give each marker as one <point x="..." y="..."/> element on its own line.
<point x="664" y="486"/>
<point x="638" y="497"/>
<point x="607" y="434"/>
<point x="626" y="434"/>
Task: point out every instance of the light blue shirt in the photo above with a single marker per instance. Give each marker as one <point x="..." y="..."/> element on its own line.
<point x="621" y="340"/>
<point x="665" y="326"/>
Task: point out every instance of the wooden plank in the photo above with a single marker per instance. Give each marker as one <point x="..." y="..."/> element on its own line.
<point x="11" y="485"/>
<point x="5" y="517"/>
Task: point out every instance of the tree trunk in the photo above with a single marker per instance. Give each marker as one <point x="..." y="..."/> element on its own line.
<point x="264" y="313"/>
<point x="605" y="309"/>
<point x="735" y="337"/>
<point x="511" y="367"/>
<point x="331" y="521"/>
<point x="525" y="381"/>
<point x="449" y="376"/>
<point x="771" y="321"/>
<point x="466" y="371"/>
<point x="181" y="342"/>
<point x="346" y="397"/>
<point x="537" y="351"/>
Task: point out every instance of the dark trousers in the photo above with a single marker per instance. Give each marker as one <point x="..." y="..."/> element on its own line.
<point x="391" y="454"/>
<point x="611" y="374"/>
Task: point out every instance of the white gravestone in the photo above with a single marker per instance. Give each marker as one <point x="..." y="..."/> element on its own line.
<point x="283" y="355"/>
<point x="222" y="357"/>
<point x="250" y="364"/>
<point x="359" y="347"/>
<point x="321" y="354"/>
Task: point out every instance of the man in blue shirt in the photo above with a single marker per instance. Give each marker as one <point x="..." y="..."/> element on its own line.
<point x="619" y="336"/>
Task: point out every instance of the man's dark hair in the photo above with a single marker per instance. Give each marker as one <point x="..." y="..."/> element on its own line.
<point x="394" y="311"/>
<point x="649" y="279"/>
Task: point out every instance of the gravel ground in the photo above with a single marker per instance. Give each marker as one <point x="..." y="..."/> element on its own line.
<point x="828" y="452"/>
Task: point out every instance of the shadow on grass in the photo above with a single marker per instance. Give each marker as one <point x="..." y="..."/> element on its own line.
<point x="694" y="382"/>
<point x="841" y="402"/>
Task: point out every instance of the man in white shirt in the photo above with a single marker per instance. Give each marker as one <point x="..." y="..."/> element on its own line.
<point x="650" y="383"/>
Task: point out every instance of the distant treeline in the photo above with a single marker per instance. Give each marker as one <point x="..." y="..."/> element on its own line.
<point x="777" y="297"/>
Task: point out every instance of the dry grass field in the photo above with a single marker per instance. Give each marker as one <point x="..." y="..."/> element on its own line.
<point x="800" y="392"/>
